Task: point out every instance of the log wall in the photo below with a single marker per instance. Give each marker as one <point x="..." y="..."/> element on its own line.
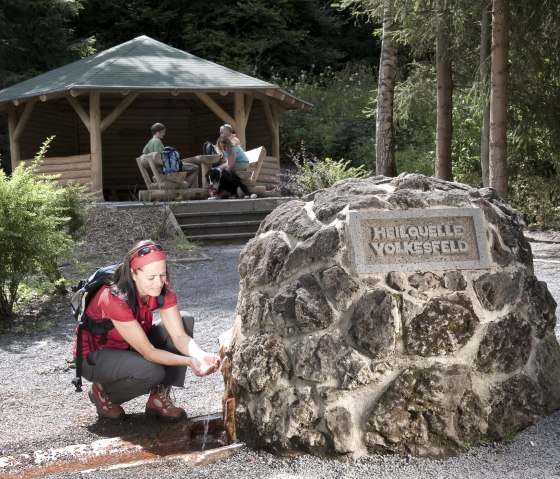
<point x="72" y="169"/>
<point x="268" y="175"/>
<point x="55" y="117"/>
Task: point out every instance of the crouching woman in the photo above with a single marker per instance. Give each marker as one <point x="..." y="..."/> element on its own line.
<point x="137" y="357"/>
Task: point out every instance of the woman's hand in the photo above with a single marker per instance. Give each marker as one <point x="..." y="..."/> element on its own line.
<point x="205" y="364"/>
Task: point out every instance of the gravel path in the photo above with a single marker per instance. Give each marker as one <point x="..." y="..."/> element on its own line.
<point x="39" y="409"/>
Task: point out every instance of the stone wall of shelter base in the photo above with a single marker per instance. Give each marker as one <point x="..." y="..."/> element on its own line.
<point x="329" y="361"/>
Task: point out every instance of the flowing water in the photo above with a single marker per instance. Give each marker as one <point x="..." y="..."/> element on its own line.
<point x="211" y="407"/>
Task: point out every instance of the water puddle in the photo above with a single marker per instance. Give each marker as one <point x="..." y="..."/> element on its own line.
<point x="194" y="441"/>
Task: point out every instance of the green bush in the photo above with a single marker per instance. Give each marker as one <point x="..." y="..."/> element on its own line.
<point x="75" y="201"/>
<point x="534" y="175"/>
<point x="337" y="126"/>
<point x="37" y="218"/>
<point x="538" y="198"/>
<point x="312" y="174"/>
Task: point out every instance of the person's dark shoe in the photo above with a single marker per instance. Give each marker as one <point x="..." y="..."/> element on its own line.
<point x="160" y="405"/>
<point x="105" y="408"/>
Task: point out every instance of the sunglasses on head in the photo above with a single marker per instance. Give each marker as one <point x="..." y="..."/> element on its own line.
<point x="148" y="249"/>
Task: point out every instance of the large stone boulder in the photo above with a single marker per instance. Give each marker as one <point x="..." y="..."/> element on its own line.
<point x="331" y="360"/>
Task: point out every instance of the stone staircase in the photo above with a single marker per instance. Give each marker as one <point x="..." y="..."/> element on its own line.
<point x="215" y="220"/>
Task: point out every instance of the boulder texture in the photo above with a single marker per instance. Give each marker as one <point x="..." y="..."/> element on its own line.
<point x="333" y="362"/>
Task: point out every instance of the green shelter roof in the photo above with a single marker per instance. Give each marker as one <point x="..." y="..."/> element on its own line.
<point x="141" y="64"/>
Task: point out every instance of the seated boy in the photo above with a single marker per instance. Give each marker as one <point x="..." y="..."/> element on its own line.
<point x="155" y="145"/>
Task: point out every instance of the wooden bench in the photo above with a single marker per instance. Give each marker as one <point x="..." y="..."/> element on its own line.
<point x="164" y="187"/>
<point x="250" y="178"/>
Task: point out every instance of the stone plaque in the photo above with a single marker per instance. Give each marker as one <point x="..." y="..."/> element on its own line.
<point x="418" y="240"/>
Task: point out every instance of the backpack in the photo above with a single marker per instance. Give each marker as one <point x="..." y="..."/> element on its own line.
<point x="171" y="160"/>
<point x="208" y="148"/>
<point x="82" y="294"/>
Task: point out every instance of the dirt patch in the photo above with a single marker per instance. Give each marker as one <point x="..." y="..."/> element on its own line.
<point x="110" y="232"/>
<point x="107" y="236"/>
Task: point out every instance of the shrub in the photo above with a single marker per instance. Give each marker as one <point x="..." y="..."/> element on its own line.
<point x="312" y="174"/>
<point x="37" y="218"/>
<point x="337" y="126"/>
<point x="538" y="198"/>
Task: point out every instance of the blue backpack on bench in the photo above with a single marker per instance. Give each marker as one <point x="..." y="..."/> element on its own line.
<point x="171" y="160"/>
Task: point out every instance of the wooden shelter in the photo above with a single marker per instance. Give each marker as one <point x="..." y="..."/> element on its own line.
<point x="101" y="108"/>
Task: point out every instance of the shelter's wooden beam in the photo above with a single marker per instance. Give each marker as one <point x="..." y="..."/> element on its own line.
<point x="261" y="96"/>
<point x="271" y="118"/>
<point x="217" y="109"/>
<point x="14" y="144"/>
<point x="80" y="110"/>
<point x="23" y="120"/>
<point x="266" y="99"/>
<point x="95" y="141"/>
<point x="122" y="106"/>
<point x="51" y="96"/>
<point x="240" y="117"/>
<point x="248" y="105"/>
<point x="273" y="127"/>
<point x="283" y="97"/>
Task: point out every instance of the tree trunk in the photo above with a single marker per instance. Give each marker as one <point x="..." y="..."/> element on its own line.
<point x="484" y="53"/>
<point x="384" y="129"/>
<point x="444" y="128"/>
<point x="498" y="178"/>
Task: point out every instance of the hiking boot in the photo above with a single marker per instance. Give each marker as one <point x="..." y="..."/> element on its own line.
<point x="105" y="408"/>
<point x="160" y="405"/>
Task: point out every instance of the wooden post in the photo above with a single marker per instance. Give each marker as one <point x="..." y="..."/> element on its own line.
<point x="273" y="127"/>
<point x="95" y="141"/>
<point x="14" y="143"/>
<point x="15" y="130"/>
<point x="240" y="118"/>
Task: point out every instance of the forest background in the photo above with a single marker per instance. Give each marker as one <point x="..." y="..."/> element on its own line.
<point x="328" y="54"/>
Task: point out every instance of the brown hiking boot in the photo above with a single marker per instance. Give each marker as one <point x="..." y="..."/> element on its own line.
<point x="105" y="408"/>
<point x="160" y="405"/>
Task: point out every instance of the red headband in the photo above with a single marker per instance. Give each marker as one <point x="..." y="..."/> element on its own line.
<point x="151" y="257"/>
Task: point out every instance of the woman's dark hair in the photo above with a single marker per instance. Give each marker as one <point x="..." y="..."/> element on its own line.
<point x="122" y="282"/>
<point x="226" y="140"/>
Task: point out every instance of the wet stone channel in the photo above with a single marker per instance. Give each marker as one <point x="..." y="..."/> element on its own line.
<point x="194" y="441"/>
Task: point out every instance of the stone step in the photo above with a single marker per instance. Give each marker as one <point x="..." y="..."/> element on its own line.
<point x="220" y="237"/>
<point x="209" y="206"/>
<point x="216" y="220"/>
<point x="224" y="224"/>
<point x="232" y="227"/>
<point x="195" y="219"/>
